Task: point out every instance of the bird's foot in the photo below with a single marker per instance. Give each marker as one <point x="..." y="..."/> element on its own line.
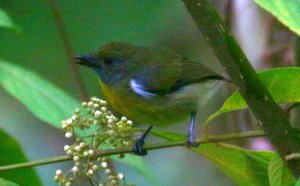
<point x="191" y="142"/>
<point x="138" y="147"/>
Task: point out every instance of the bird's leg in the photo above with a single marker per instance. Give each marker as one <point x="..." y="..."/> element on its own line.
<point x="138" y="147"/>
<point x="191" y="141"/>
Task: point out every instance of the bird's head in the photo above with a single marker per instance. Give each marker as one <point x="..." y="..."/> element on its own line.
<point x="113" y="62"/>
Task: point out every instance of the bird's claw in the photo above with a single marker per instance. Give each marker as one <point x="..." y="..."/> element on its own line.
<point x="191" y="142"/>
<point x="138" y="148"/>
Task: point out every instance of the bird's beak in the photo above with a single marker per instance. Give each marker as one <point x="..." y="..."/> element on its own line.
<point x="86" y="60"/>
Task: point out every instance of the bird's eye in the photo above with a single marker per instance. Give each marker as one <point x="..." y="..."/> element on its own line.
<point x="108" y="61"/>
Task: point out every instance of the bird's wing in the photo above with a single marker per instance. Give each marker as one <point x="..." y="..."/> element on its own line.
<point x="156" y="79"/>
<point x="193" y="72"/>
<point x="163" y="78"/>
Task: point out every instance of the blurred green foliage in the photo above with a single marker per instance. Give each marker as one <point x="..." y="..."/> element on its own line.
<point x="7" y="183"/>
<point x="6" y="22"/>
<point x="12" y="153"/>
<point x="44" y="100"/>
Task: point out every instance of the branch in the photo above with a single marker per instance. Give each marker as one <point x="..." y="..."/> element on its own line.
<point x="235" y="63"/>
<point x="68" y="49"/>
<point x="210" y="139"/>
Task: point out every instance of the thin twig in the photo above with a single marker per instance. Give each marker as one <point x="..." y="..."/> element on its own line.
<point x="210" y="139"/>
<point x="68" y="48"/>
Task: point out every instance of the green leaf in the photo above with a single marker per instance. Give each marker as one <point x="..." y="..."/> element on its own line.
<point x="43" y="99"/>
<point x="6" y="22"/>
<point x="279" y="174"/>
<point x="288" y="12"/>
<point x="282" y="83"/>
<point x="243" y="166"/>
<point x="7" y="183"/>
<point x="298" y="182"/>
<point x="11" y="153"/>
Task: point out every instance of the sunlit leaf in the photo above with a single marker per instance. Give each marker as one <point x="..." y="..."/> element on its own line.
<point x="282" y="83"/>
<point x="244" y="167"/>
<point x="42" y="98"/>
<point x="279" y="174"/>
<point x="4" y="182"/>
<point x="12" y="153"/>
<point x="288" y="12"/>
<point x="298" y="183"/>
<point x="6" y="22"/>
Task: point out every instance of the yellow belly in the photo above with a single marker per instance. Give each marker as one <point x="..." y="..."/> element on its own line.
<point x="141" y="110"/>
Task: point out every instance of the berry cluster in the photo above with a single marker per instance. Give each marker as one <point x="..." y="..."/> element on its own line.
<point x="98" y="129"/>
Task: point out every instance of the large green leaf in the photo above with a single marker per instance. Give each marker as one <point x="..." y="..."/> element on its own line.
<point x="11" y="153"/>
<point x="6" y="22"/>
<point x="287" y="11"/>
<point x="43" y="99"/>
<point x="282" y="83"/>
<point x="298" y="182"/>
<point x="7" y="183"/>
<point x="279" y="174"/>
<point x="244" y="167"/>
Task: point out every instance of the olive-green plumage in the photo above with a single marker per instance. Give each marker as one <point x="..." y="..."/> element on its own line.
<point x="149" y="85"/>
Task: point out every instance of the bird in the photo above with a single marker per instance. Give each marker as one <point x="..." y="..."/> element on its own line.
<point x="151" y="85"/>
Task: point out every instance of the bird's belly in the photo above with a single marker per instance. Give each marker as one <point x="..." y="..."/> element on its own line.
<point x="155" y="111"/>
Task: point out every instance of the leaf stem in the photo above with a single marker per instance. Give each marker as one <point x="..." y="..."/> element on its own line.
<point x="209" y="139"/>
